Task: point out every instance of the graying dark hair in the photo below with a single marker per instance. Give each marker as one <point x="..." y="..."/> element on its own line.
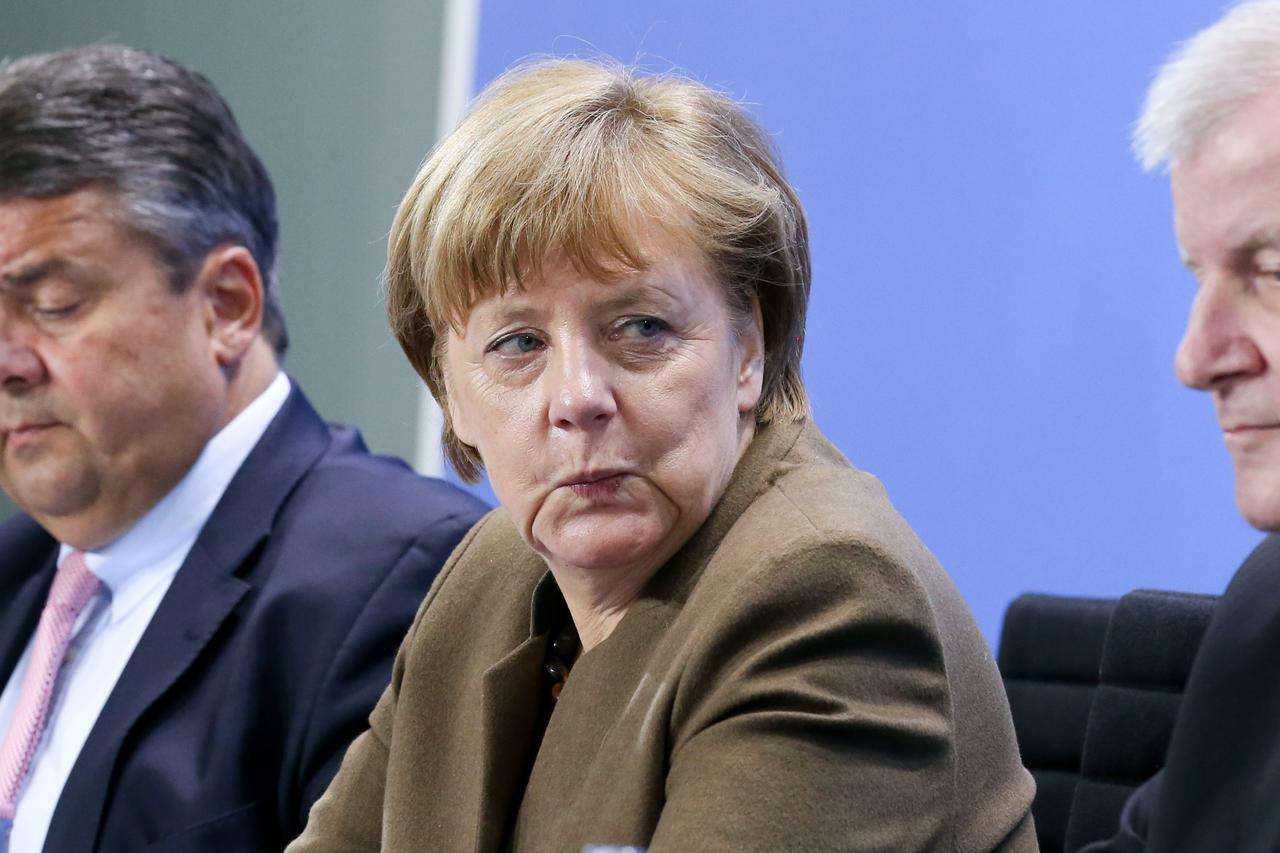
<point x="155" y="135"/>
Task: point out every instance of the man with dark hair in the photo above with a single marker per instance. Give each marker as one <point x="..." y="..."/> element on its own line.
<point x="201" y="603"/>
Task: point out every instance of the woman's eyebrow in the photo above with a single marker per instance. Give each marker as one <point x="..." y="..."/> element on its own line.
<point x="503" y="312"/>
<point x="640" y="296"/>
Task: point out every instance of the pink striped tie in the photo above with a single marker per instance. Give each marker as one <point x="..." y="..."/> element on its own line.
<point x="73" y="587"/>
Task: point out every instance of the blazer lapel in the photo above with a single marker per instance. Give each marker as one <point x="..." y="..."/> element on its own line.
<point x="208" y="586"/>
<point x="508" y="714"/>
<point x="30" y="558"/>
<point x="195" y="606"/>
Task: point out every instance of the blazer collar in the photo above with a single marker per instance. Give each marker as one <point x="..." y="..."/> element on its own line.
<point x="292" y="444"/>
<point x="215" y="576"/>
<point x="509" y="707"/>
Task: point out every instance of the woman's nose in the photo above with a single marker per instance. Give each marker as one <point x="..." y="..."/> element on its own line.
<point x="581" y="395"/>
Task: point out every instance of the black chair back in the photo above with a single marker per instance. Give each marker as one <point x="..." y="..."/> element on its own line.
<point x="1050" y="653"/>
<point x="1151" y="643"/>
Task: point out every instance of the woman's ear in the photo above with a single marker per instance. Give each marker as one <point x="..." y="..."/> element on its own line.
<point x="751" y="359"/>
<point x="231" y="286"/>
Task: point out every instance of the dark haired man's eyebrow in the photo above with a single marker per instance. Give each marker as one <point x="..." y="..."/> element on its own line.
<point x="25" y="278"/>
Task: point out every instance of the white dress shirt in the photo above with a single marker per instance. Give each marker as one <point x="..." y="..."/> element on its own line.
<point x="135" y="571"/>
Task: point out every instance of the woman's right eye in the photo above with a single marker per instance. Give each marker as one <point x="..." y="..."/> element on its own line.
<point x="521" y="343"/>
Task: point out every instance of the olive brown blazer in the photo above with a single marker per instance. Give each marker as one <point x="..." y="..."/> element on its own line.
<point x="802" y="675"/>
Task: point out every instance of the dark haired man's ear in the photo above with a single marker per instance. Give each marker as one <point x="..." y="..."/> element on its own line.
<point x="231" y="284"/>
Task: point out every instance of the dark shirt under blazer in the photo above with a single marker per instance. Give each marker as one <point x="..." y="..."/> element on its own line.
<point x="802" y="675"/>
<point x="265" y="655"/>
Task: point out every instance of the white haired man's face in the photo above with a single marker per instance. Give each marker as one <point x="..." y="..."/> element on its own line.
<point x="1226" y="196"/>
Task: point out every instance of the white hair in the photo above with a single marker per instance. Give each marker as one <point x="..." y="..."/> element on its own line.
<point x="1207" y="79"/>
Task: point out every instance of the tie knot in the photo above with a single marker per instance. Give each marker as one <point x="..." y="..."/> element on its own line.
<point x="73" y="584"/>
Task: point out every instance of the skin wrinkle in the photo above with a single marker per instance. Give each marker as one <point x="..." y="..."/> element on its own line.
<point x="667" y="402"/>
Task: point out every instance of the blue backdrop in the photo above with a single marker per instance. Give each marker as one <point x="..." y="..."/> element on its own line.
<point x="997" y="293"/>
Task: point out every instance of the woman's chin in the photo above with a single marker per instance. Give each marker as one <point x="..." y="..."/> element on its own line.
<point x="602" y="545"/>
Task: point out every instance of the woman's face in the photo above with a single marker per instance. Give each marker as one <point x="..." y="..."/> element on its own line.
<point x="609" y="414"/>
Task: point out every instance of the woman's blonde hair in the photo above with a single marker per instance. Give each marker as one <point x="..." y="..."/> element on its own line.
<point x="567" y="156"/>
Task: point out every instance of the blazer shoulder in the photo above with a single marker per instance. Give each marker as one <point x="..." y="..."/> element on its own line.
<point x="1243" y="630"/>
<point x="842" y="521"/>
<point x="356" y="523"/>
<point x="358" y="497"/>
<point x="822" y="537"/>
<point x="1256" y="575"/>
<point x="821" y="575"/>
<point x="492" y="564"/>
<point x="387" y="483"/>
<point x="819" y="511"/>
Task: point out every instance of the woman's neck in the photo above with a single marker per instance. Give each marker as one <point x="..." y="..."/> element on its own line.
<point x="598" y="599"/>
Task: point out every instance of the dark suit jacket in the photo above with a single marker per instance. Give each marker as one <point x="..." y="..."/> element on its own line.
<point x="1220" y="787"/>
<point x="265" y="655"/>
<point x="802" y="675"/>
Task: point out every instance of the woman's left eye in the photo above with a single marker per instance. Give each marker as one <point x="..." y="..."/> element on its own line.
<point x="520" y="343"/>
<point x="640" y="327"/>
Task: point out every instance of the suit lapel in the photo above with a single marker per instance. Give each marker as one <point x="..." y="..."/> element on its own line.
<point x="213" y="579"/>
<point x="30" y="557"/>
<point x="508" y="715"/>
<point x="200" y="598"/>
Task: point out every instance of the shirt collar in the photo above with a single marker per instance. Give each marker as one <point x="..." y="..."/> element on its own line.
<point x="153" y="549"/>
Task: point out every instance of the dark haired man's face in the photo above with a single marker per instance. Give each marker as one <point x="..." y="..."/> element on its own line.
<point x="109" y="387"/>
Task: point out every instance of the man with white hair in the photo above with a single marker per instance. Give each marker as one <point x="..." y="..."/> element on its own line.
<point x="1212" y="117"/>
